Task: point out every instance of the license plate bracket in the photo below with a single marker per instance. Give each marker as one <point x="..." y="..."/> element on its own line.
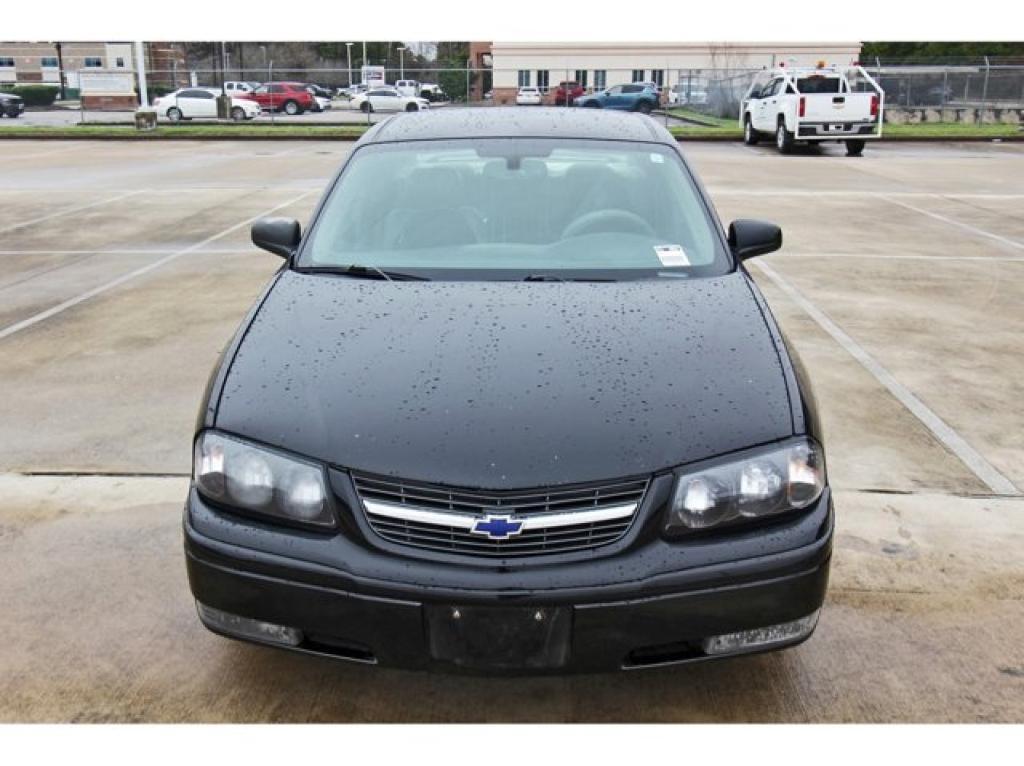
<point x="499" y="637"/>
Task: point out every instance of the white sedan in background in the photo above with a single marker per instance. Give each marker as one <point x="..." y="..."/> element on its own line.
<point x="528" y="96"/>
<point x="387" y="100"/>
<point x="201" y="103"/>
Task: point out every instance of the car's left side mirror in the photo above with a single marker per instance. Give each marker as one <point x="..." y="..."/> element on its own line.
<point x="279" y="236"/>
<point x="748" y="238"/>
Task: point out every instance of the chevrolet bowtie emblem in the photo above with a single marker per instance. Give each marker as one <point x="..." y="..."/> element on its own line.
<point x="497" y="526"/>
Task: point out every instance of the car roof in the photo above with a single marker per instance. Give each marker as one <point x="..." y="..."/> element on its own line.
<point x="513" y="122"/>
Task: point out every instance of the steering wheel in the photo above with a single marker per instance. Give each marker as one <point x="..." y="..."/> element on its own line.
<point x="607" y="220"/>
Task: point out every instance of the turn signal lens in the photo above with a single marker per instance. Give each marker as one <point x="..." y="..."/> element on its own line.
<point x="762" y="638"/>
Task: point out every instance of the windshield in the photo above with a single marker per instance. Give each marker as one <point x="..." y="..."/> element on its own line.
<point x="502" y="208"/>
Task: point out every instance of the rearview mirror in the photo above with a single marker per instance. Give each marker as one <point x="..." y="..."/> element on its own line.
<point x="748" y="238"/>
<point x="279" y="236"/>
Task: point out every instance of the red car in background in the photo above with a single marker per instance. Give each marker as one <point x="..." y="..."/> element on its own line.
<point x="287" y="97"/>
<point x="568" y="90"/>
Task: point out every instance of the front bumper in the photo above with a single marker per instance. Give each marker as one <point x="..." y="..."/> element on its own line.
<point x="406" y="613"/>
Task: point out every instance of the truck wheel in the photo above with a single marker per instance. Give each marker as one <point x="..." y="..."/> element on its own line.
<point x="290" y="107"/>
<point x="783" y="138"/>
<point x="855" y="147"/>
<point x="750" y="136"/>
<point x="644" y="107"/>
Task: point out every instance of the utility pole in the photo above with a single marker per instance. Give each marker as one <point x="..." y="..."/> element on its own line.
<point x="60" y="70"/>
<point x="401" y="62"/>
<point x="223" y="67"/>
<point x="348" y="52"/>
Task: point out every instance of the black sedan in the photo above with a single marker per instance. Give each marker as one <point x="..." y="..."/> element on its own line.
<point x="511" y="403"/>
<point x="11" y="105"/>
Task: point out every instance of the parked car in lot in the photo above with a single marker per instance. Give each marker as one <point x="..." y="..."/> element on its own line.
<point x="387" y="100"/>
<point x="239" y="87"/>
<point x="353" y="90"/>
<point x="511" y="403"/>
<point x="814" y="104"/>
<point x="529" y="95"/>
<point x="630" y="97"/>
<point x="287" y="97"/>
<point x="682" y="94"/>
<point x="654" y="87"/>
<point x="11" y="105"/>
<point x="432" y="92"/>
<point x="321" y="97"/>
<point x="567" y="92"/>
<point x="408" y="87"/>
<point x="201" y="103"/>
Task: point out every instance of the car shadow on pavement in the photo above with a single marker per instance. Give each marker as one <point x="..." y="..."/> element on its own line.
<point x="277" y="685"/>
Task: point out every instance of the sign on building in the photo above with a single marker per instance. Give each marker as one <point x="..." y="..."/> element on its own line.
<point x="373" y="76"/>
<point x="106" y="83"/>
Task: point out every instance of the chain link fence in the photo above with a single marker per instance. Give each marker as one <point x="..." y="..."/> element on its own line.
<point x="963" y="91"/>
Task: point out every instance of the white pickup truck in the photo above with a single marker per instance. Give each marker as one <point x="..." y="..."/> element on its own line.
<point x="823" y="103"/>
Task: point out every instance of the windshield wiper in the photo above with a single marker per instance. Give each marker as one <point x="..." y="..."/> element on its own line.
<point x="554" y="278"/>
<point x="370" y="272"/>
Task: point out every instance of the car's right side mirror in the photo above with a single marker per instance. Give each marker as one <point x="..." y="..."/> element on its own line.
<point x="279" y="236"/>
<point x="748" y="238"/>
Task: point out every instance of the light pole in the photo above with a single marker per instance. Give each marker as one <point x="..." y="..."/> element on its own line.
<point x="401" y="62"/>
<point x="348" y="52"/>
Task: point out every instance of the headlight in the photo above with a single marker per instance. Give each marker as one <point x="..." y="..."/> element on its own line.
<point x="779" y="479"/>
<point x="251" y="478"/>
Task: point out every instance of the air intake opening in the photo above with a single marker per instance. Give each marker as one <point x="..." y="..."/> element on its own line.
<point x="336" y="647"/>
<point x="663" y="654"/>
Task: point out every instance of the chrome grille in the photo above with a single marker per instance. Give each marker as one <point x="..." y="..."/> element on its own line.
<point x="555" y="520"/>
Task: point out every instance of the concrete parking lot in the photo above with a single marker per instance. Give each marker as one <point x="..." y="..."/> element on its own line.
<point x="126" y="267"/>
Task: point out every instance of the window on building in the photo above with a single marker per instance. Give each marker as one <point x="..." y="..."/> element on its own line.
<point x="658" y="77"/>
<point x="600" y="79"/>
<point x="119" y="62"/>
<point x="542" y="79"/>
<point x="92" y="61"/>
<point x="638" y="75"/>
<point x="581" y="77"/>
<point x="524" y="78"/>
<point x="48" y="62"/>
<point x="6" y="61"/>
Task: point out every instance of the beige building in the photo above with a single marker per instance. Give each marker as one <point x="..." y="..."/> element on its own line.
<point x="601" y="65"/>
<point x="37" y="62"/>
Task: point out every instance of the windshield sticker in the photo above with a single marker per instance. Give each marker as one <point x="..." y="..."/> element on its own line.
<point x="671" y="255"/>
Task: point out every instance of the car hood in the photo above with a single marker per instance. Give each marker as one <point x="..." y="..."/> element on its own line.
<point x="507" y="385"/>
